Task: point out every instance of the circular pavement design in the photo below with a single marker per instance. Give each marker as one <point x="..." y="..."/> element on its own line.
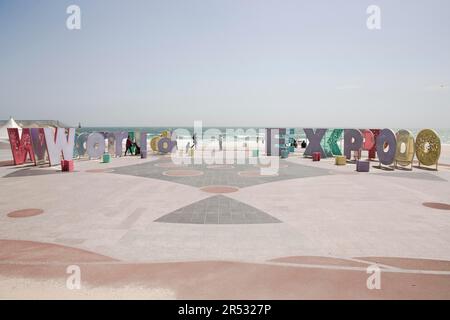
<point x="437" y="205"/>
<point x="182" y="173"/>
<point x="219" y="189"/>
<point x="25" y="213"/>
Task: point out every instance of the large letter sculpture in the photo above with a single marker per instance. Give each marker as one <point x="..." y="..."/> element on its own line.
<point x="39" y="145"/>
<point x="353" y="141"/>
<point x="314" y="138"/>
<point x="21" y="146"/>
<point x="386" y="147"/>
<point x="119" y="136"/>
<point x="275" y="137"/>
<point x="165" y="145"/>
<point x="404" y="153"/>
<point x="369" y="139"/>
<point x="143" y="142"/>
<point x="58" y="143"/>
<point x="373" y="150"/>
<point x="332" y="142"/>
<point x="80" y="144"/>
<point x="95" y="145"/>
<point x="428" y="147"/>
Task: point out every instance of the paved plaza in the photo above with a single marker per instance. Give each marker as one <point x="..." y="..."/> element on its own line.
<point x="226" y="231"/>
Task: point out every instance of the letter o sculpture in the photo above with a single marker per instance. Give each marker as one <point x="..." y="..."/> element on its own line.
<point x="154" y="143"/>
<point x="79" y="144"/>
<point x="165" y="145"/>
<point x="95" y="145"/>
<point x="428" y="147"/>
<point x="386" y="137"/>
<point x="404" y="137"/>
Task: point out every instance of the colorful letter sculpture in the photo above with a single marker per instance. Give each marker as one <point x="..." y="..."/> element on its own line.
<point x="58" y="143"/>
<point x="368" y="139"/>
<point x="143" y="143"/>
<point x="404" y="153"/>
<point x="428" y="147"/>
<point x="373" y="150"/>
<point x="314" y="138"/>
<point x="353" y="141"/>
<point x="386" y="147"/>
<point x="39" y="145"/>
<point x="119" y="136"/>
<point x="362" y="165"/>
<point x="275" y="138"/>
<point x="21" y="146"/>
<point x="332" y="142"/>
<point x="80" y="144"/>
<point x="162" y="143"/>
<point x="95" y="145"/>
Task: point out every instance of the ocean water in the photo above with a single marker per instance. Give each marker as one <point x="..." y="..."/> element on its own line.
<point x="444" y="134"/>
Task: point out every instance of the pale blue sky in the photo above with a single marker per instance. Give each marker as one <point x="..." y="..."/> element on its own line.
<point x="227" y="62"/>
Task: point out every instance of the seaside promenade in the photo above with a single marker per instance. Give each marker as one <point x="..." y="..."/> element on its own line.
<point x="148" y="228"/>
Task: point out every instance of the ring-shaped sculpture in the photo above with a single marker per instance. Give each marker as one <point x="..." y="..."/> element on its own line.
<point x="428" y="147"/>
<point x="386" y="139"/>
<point x="404" y="153"/>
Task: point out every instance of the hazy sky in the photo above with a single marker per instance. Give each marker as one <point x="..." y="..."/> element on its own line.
<point x="227" y="62"/>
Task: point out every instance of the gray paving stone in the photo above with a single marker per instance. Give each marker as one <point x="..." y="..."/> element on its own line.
<point x="218" y="210"/>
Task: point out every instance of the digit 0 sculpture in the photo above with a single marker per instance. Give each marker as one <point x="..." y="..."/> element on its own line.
<point x="404" y="153"/>
<point x="428" y="147"/>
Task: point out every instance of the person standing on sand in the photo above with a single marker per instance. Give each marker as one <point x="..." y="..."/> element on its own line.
<point x="220" y="142"/>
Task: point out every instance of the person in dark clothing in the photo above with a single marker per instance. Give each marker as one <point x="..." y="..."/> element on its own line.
<point x="137" y="149"/>
<point x="128" y="145"/>
<point x="303" y="144"/>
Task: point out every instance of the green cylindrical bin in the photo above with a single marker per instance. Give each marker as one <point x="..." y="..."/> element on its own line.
<point x="106" y="158"/>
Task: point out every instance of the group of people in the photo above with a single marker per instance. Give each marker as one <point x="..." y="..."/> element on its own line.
<point x="130" y="145"/>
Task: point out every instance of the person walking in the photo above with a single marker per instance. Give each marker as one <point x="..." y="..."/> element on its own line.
<point x="128" y="146"/>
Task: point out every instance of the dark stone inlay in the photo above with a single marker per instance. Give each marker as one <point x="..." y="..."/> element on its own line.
<point x="218" y="210"/>
<point x="229" y="177"/>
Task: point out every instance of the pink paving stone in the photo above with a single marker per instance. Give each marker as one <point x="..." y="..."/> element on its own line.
<point x="437" y="205"/>
<point x="25" y="213"/>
